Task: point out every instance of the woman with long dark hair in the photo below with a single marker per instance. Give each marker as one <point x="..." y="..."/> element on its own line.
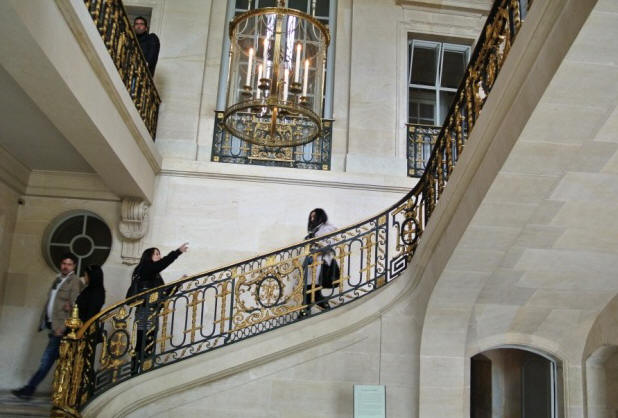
<point x="91" y="299"/>
<point x="317" y="225"/>
<point x="147" y="275"/>
<point x="151" y="264"/>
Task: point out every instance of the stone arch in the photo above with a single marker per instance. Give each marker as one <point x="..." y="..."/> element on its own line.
<point x="515" y="380"/>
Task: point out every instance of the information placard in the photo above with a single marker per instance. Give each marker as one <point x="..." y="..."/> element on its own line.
<point x="369" y="401"/>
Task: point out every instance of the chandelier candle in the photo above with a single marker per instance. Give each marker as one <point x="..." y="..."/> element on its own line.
<point x="249" y="65"/>
<point x="266" y="57"/>
<point x="258" y="90"/>
<point x="297" y="66"/>
<point x="306" y="78"/>
<point x="286" y="77"/>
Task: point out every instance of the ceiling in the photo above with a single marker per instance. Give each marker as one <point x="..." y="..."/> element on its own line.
<point x="29" y="136"/>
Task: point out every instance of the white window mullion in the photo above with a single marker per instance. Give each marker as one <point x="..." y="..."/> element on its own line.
<point x="411" y="60"/>
<point x="439" y="65"/>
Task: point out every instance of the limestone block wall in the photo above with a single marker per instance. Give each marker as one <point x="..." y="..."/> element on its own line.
<point x="315" y="382"/>
<point x="8" y="217"/>
<point x="228" y="217"/>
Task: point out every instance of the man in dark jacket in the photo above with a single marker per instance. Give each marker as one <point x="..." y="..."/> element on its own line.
<point x="149" y="42"/>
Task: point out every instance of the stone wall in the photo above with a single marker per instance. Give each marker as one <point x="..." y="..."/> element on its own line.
<point x="8" y="216"/>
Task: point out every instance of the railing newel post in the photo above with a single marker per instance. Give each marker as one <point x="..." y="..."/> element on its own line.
<point x="68" y="373"/>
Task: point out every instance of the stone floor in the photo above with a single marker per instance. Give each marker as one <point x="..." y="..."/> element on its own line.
<point x="38" y="406"/>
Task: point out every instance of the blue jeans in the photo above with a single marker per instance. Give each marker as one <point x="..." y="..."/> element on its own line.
<point x="47" y="361"/>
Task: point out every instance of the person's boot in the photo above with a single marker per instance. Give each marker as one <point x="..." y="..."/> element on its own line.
<point x="24" y="393"/>
<point x="323" y="304"/>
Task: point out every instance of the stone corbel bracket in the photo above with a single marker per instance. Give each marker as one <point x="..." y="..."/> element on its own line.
<point x="133" y="227"/>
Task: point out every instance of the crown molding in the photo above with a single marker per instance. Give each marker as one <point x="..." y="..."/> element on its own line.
<point x="68" y="185"/>
<point x="289" y="176"/>
<point x="475" y="7"/>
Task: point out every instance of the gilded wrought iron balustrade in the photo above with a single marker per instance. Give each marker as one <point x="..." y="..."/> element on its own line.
<point x="113" y="24"/>
<point x="223" y="306"/>
<point x="420" y="141"/>
<point x="314" y="155"/>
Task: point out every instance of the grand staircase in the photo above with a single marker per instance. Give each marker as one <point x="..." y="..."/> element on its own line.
<point x="212" y="310"/>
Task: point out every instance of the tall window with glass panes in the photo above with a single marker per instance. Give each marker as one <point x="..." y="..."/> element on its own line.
<point x="434" y="73"/>
<point x="435" y="70"/>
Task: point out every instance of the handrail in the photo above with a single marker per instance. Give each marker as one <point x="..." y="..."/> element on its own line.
<point x="226" y="148"/>
<point x="216" y="308"/>
<point x="113" y="24"/>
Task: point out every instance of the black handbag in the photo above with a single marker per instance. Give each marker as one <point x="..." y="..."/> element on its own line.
<point x="329" y="274"/>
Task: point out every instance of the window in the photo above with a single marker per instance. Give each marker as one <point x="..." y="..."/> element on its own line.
<point x="82" y="233"/>
<point x="435" y="70"/>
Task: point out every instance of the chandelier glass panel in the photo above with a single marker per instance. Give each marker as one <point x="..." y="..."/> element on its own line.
<point x="276" y="79"/>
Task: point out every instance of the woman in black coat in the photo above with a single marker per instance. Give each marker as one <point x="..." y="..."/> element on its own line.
<point x="148" y="271"/>
<point x="147" y="275"/>
<point x="91" y="299"/>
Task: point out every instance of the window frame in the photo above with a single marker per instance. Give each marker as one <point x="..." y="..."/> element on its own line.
<point x="61" y="220"/>
<point x="442" y="47"/>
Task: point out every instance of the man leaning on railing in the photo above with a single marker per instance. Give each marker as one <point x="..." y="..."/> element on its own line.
<point x="149" y="42"/>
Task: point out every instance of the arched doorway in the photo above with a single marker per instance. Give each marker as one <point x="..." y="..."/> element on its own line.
<point x="514" y="382"/>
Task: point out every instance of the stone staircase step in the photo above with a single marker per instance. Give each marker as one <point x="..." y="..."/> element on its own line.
<point x="38" y="406"/>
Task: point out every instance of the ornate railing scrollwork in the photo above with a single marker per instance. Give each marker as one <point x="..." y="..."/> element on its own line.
<point x="420" y="141"/>
<point x="315" y="155"/>
<point x="121" y="42"/>
<point x="217" y="308"/>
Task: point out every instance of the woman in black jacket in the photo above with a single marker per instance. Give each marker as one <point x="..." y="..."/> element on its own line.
<point x="147" y="272"/>
<point x="147" y="275"/>
<point x="91" y="299"/>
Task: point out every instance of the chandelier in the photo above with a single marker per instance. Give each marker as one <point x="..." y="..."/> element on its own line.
<point x="276" y="78"/>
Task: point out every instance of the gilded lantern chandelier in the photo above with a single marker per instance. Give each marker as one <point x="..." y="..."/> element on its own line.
<point x="276" y="78"/>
